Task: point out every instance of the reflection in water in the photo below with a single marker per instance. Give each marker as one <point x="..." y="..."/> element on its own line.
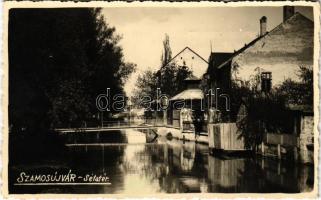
<point x="140" y="163"/>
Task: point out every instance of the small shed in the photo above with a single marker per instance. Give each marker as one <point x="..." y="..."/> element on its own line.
<point x="224" y="137"/>
<point x="186" y="105"/>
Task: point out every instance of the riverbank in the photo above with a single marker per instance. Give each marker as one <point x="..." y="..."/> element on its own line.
<point x="176" y="133"/>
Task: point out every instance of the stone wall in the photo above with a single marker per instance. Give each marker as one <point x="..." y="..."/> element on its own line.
<point x="306" y="140"/>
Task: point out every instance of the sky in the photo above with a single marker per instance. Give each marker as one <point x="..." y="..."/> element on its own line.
<point x="222" y="29"/>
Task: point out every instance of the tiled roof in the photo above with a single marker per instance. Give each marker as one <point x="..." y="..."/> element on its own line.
<point x="217" y="58"/>
<point x="189" y="94"/>
<point x="240" y="51"/>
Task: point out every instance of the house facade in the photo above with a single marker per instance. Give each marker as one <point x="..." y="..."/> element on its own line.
<point x="193" y="61"/>
<point x="279" y="52"/>
<point x="266" y="62"/>
<point x="179" y="109"/>
<point x="191" y="96"/>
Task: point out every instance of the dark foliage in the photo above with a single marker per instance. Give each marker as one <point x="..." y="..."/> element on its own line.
<point x="299" y="92"/>
<point x="269" y="112"/>
<point x="59" y="61"/>
<point x="264" y="113"/>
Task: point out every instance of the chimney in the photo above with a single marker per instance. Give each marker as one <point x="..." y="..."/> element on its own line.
<point x="262" y="25"/>
<point x="288" y="11"/>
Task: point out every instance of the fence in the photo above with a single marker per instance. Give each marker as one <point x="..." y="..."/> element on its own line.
<point x="282" y="139"/>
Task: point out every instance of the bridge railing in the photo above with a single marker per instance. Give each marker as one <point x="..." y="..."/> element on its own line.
<point x="106" y="124"/>
<point x="115" y="123"/>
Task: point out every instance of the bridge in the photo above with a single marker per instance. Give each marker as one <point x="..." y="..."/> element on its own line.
<point x="75" y="130"/>
<point x="108" y="126"/>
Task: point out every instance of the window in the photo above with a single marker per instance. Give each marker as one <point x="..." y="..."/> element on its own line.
<point x="266" y="81"/>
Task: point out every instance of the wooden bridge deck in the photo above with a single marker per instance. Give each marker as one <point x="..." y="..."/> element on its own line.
<point x="111" y="128"/>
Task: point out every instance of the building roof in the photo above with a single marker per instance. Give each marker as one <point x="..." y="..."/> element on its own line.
<point x="189" y="94"/>
<point x="290" y="20"/>
<point x="240" y="51"/>
<point x="191" y="60"/>
<point x="217" y="58"/>
<point x="186" y="48"/>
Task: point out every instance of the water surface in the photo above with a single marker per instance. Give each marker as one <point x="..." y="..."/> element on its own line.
<point x="140" y="163"/>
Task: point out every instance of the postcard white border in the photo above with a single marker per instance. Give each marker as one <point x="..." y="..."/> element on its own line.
<point x="58" y="4"/>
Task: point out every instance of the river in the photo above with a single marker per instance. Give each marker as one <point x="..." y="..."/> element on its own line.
<point x="140" y="163"/>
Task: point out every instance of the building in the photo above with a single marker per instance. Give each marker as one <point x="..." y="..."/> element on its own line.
<point x="192" y="60"/>
<point x="184" y="114"/>
<point x="183" y="105"/>
<point x="191" y="88"/>
<point x="278" y="53"/>
<point x="266" y="62"/>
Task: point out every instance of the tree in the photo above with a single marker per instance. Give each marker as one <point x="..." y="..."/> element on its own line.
<point x="167" y="52"/>
<point x="169" y="78"/>
<point x="263" y="113"/>
<point x="299" y="92"/>
<point x="146" y="86"/>
<point x="268" y="112"/>
<point x="181" y="74"/>
<point x="59" y="61"/>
